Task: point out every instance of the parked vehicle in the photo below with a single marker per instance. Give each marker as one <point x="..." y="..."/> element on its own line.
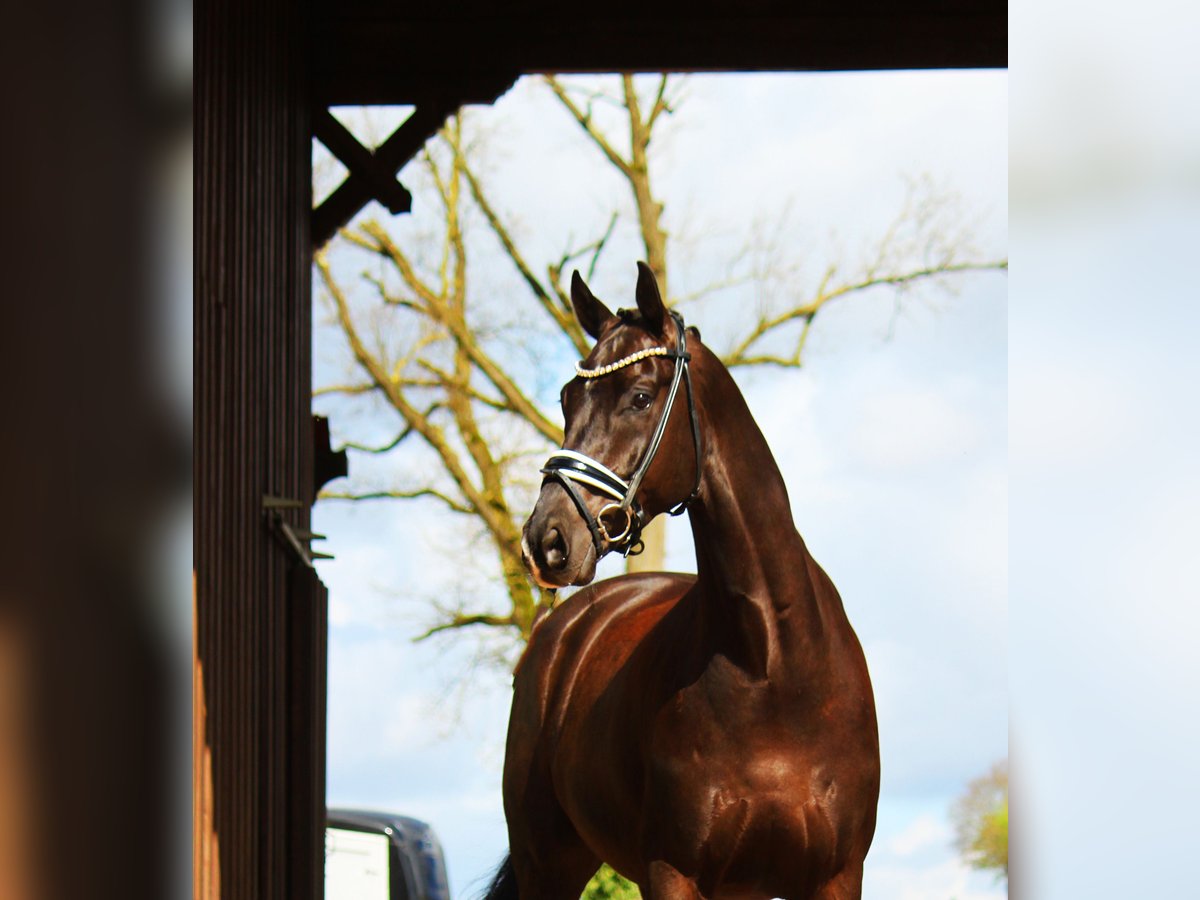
<point x="373" y="855"/>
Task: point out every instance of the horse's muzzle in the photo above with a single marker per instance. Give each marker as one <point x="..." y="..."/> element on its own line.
<point x="555" y="546"/>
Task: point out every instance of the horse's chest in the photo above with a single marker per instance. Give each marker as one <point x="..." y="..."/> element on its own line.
<point x="740" y="779"/>
<point x="734" y="735"/>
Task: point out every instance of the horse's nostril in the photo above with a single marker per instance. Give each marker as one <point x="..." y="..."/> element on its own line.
<point x="554" y="548"/>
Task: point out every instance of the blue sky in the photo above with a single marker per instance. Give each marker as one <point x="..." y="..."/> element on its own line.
<point x="892" y="440"/>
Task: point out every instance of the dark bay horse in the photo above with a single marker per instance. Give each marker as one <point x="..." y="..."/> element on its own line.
<point x="707" y="736"/>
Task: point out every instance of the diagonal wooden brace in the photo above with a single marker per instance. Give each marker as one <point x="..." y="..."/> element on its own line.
<point x="373" y="175"/>
<point x="361" y="163"/>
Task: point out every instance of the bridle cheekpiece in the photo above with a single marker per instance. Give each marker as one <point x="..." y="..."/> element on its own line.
<point x="570" y="468"/>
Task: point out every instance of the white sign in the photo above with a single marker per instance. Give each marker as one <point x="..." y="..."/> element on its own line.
<point x="356" y="865"/>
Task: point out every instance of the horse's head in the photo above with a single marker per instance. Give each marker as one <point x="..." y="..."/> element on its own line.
<point x="630" y="451"/>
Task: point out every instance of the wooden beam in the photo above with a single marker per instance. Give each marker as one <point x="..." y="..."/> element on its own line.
<point x="359" y="161"/>
<point x="430" y="114"/>
<point x="355" y="56"/>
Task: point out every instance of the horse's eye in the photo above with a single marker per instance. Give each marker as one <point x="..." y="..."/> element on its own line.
<point x="641" y="400"/>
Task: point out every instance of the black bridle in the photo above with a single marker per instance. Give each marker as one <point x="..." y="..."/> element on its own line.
<point x="571" y="469"/>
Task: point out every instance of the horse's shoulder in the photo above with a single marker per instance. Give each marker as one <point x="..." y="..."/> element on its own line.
<point x="627" y="596"/>
<point x="612" y="602"/>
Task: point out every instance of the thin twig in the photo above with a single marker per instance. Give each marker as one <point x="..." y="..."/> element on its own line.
<point x="585" y="121"/>
<point x="462" y="621"/>
<point x="397" y="495"/>
<point x="740" y="355"/>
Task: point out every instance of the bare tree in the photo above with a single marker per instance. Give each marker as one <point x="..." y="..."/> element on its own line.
<point x="429" y="353"/>
<point x="443" y="383"/>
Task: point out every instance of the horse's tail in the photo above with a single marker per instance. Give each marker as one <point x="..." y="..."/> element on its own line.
<point x="504" y="883"/>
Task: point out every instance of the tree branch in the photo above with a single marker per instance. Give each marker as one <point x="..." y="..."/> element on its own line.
<point x="482" y="489"/>
<point x="585" y="122"/>
<point x="397" y="495"/>
<point x="660" y="104"/>
<point x="385" y="246"/>
<point x="395" y="442"/>
<point x="436" y="310"/>
<point x="740" y="355"/>
<point x="388" y="297"/>
<point x="498" y="525"/>
<point x="389" y="446"/>
<point x="344" y="389"/>
<point x="596" y="247"/>
<point x="721" y="284"/>
<point x="555" y="270"/>
<point x="562" y="318"/>
<point x="463" y="620"/>
<point x="445" y="380"/>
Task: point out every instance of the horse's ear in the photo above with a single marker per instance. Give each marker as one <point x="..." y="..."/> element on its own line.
<point x="590" y="311"/>
<point x="649" y="300"/>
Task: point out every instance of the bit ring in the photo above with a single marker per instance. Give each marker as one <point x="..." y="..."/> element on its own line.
<point x="617" y="539"/>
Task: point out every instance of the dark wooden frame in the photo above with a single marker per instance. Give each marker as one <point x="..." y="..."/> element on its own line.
<point x="266" y="73"/>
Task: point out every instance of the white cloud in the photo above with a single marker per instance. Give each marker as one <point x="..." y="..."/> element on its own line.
<point x="1070" y="411"/>
<point x="960" y="553"/>
<point x="785" y="408"/>
<point x="375" y="713"/>
<point x="925" y="832"/>
<point x="942" y="711"/>
<point x="908" y="427"/>
<point x="355" y="579"/>
<point x="913" y="857"/>
<point x="948" y="880"/>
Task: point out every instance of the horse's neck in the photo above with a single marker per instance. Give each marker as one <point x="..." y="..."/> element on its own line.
<point x="754" y="570"/>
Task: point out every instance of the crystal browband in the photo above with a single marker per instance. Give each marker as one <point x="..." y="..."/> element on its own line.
<point x="621" y="363"/>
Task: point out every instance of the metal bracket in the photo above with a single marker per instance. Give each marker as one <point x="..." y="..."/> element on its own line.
<point x="296" y="539"/>
<point x="270" y="502"/>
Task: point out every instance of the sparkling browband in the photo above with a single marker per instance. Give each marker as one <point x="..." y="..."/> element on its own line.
<point x="620" y="363"/>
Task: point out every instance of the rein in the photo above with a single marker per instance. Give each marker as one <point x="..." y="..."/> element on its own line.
<point x="570" y="468"/>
